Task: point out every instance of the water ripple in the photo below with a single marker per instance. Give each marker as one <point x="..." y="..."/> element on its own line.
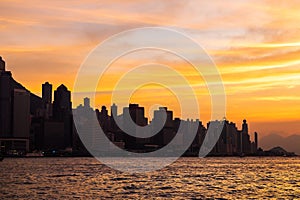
<point x="187" y="178"/>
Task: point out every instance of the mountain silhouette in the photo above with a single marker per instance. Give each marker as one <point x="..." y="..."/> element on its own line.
<point x="290" y="143"/>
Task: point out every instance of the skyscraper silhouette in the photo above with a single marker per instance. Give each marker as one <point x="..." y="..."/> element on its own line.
<point x="47" y="92"/>
<point x="62" y="111"/>
<point x="255" y="141"/>
<point x="5" y="101"/>
<point x="86" y="102"/>
<point x="2" y="64"/>
<point x="114" y="110"/>
<point x="21" y="114"/>
<point x="166" y="133"/>
<point x="62" y="102"/>
<point x="136" y="114"/>
<point x="47" y="99"/>
<point x="113" y="116"/>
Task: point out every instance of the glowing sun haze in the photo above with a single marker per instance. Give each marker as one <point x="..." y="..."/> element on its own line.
<point x="255" y="45"/>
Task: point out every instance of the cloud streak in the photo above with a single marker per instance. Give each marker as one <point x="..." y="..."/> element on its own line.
<point x="255" y="44"/>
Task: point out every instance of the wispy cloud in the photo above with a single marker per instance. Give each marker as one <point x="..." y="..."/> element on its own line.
<point x="255" y="44"/>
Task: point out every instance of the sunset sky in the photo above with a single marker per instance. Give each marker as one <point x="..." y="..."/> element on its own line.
<point x="255" y="45"/>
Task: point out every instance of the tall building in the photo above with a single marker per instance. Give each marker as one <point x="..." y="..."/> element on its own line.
<point x="86" y="102"/>
<point x="47" y="99"/>
<point x="114" y="110"/>
<point x="256" y="140"/>
<point x="114" y="128"/>
<point x="103" y="119"/>
<point x="227" y="142"/>
<point x="62" y="111"/>
<point x="135" y="113"/>
<point x="166" y="133"/>
<point x="5" y="101"/>
<point x="255" y="143"/>
<point x="62" y="103"/>
<point x="47" y="92"/>
<point x="2" y="64"/>
<point x="158" y="116"/>
<point x="84" y="116"/>
<point x="245" y="126"/>
<point x="21" y="114"/>
<point x="246" y="143"/>
<point x="113" y="116"/>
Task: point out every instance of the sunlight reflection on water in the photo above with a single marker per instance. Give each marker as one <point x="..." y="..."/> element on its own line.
<point x="187" y="178"/>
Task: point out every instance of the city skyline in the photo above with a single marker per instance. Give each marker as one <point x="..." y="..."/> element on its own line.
<point x="262" y="126"/>
<point x="257" y="55"/>
<point x="30" y="123"/>
<point x="51" y="123"/>
<point x="48" y="103"/>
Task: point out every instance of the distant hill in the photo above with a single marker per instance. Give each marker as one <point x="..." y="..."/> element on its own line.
<point x="290" y="143"/>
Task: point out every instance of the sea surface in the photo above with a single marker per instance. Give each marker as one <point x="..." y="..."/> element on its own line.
<point x="187" y="178"/>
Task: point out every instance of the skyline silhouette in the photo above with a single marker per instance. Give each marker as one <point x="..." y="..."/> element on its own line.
<point x="47" y="125"/>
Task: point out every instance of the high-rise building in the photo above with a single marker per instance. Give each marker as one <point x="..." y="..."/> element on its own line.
<point x="86" y="102"/>
<point x="21" y="114"/>
<point x="133" y="113"/>
<point x="104" y="119"/>
<point x="137" y="114"/>
<point x="246" y="143"/>
<point x="62" y="103"/>
<point x="47" y="92"/>
<point x="114" y="128"/>
<point x="158" y="116"/>
<point x="2" y="64"/>
<point x="62" y="111"/>
<point x="47" y="99"/>
<point x="5" y="101"/>
<point x="163" y="122"/>
<point x="245" y="126"/>
<point x="255" y="142"/>
<point x="114" y="110"/>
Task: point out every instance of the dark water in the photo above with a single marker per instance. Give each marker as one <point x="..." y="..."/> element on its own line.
<point x="187" y="178"/>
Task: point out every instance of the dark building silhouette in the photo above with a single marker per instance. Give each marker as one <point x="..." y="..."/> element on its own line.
<point x="21" y="114"/>
<point x="62" y="111"/>
<point x="135" y="113"/>
<point x="86" y="103"/>
<point x="103" y="118"/>
<point x="6" y="90"/>
<point x="2" y="64"/>
<point x="246" y="143"/>
<point x="83" y="113"/>
<point x="47" y="99"/>
<point x="255" y="141"/>
<point x="62" y="105"/>
<point x="47" y="92"/>
<point x="114" y="110"/>
<point x="113" y="114"/>
<point x="163" y="118"/>
<point x="199" y="138"/>
<point x="227" y="142"/>
<point x="118" y="135"/>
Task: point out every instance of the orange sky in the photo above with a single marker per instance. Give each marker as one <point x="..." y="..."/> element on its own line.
<point x="255" y="45"/>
